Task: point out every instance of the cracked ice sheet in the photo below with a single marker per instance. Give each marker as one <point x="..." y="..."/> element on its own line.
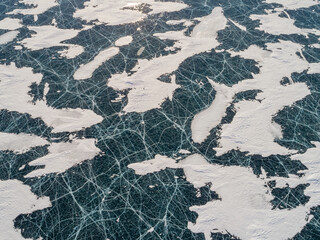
<point x="15" y="199"/>
<point x="14" y="88"/>
<point x="116" y="12"/>
<point x="146" y="91"/>
<point x="165" y="161"/>
<point x="253" y="198"/>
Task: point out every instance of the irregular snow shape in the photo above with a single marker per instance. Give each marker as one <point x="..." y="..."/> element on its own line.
<point x="123" y="41"/>
<point x="252" y="128"/>
<point x="255" y="137"/>
<point x="276" y="25"/>
<point x="311" y="159"/>
<point x="38" y="7"/>
<point x="48" y="36"/>
<point x="63" y="156"/>
<point x="116" y="12"/>
<point x="140" y="51"/>
<point x="15" y="199"/>
<point x="314" y="68"/>
<point x="209" y="118"/>
<point x="315" y="45"/>
<point x="154" y="165"/>
<point x="72" y="51"/>
<point x="8" y="37"/>
<point x="19" y="143"/>
<point x="86" y="70"/>
<point x="14" y="88"/>
<point x="51" y="36"/>
<point x="185" y="22"/>
<point x="295" y="4"/>
<point x="147" y="92"/>
<point x="249" y="217"/>
<point x="65" y="119"/>
<point x="10" y="23"/>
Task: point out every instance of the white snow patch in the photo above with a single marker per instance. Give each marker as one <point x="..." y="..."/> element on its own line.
<point x="159" y="162"/>
<point x="116" y="12"/>
<point x="14" y="88"/>
<point x="123" y="41"/>
<point x="252" y="124"/>
<point x="15" y="199"/>
<point x="185" y="22"/>
<point x="63" y="156"/>
<point x="184" y="151"/>
<point x="72" y="51"/>
<point x="252" y="128"/>
<point x="51" y="36"/>
<point x="17" y="47"/>
<point x="85" y="71"/>
<point x="140" y="51"/>
<point x="315" y="45"/>
<point x="274" y="24"/>
<point x="294" y="4"/>
<point x="314" y="68"/>
<point x="8" y="37"/>
<point x="311" y="159"/>
<point x="209" y="118"/>
<point x="19" y="143"/>
<point x="37" y="7"/>
<point x="146" y="91"/>
<point x="252" y="198"/>
<point x="10" y="23"/>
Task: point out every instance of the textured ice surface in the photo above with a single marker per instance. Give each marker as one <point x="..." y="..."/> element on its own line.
<point x="147" y="119"/>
